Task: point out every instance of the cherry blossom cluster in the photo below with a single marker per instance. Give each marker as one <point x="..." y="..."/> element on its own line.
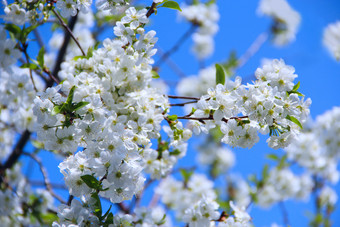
<point x="21" y="12"/>
<point x="282" y="184"/>
<point x="221" y="158"/>
<point x="194" y="202"/>
<point x="9" y="54"/>
<point x="206" y="17"/>
<point x="317" y="149"/>
<point x="286" y="20"/>
<point x="331" y="39"/>
<point x="106" y="106"/>
<point x="114" y="6"/>
<point x="270" y="106"/>
<point x="16" y="103"/>
<point x="71" y="7"/>
<point x="18" y="196"/>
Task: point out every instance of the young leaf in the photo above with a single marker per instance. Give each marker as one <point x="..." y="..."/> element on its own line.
<point x="296" y="86"/>
<point x="155" y="75"/>
<point x="70" y="96"/>
<point x="171" y="5"/>
<point x="186" y="174"/>
<point x="56" y="110"/>
<point x="273" y="157"/>
<point x="97" y="206"/>
<point x="109" y="220"/>
<point x="172" y="117"/>
<point x="91" y="181"/>
<point x="220" y="74"/>
<point x="30" y="66"/>
<point x="293" y="119"/>
<point x="89" y="53"/>
<point x="40" y="57"/>
<point x="107" y="213"/>
<point x="175" y="152"/>
<point x="80" y="105"/>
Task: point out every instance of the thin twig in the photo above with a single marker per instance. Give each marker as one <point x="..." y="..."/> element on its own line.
<point x="182" y="97"/>
<point x="253" y="49"/>
<point x="69" y="31"/>
<point x="151" y="10"/>
<point x="184" y="103"/>
<point x="45" y="176"/>
<point x="284" y="214"/>
<point x="69" y="201"/>
<point x="62" y="51"/>
<point x="53" y="185"/>
<point x="24" y="49"/>
<point x="201" y="119"/>
<point x="38" y="37"/>
<point x="176" y="46"/>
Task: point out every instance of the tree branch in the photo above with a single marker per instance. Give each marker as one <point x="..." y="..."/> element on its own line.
<point x="45" y="176"/>
<point x="182" y="97"/>
<point x="69" y="30"/>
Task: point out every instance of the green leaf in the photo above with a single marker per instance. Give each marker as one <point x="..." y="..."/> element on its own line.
<point x="97" y="206"/>
<point x="220" y="74"/>
<point x="265" y="173"/>
<point x="78" y="57"/>
<point x="91" y="181"/>
<point x="80" y="105"/>
<point x="57" y="109"/>
<point x="40" y="57"/>
<point x="70" y="96"/>
<point x="186" y="174"/>
<point x="293" y="119"/>
<point x="282" y="162"/>
<point x="49" y="218"/>
<point x="109" y="220"/>
<point x="30" y="66"/>
<point x="155" y="75"/>
<point x="107" y="213"/>
<point x="296" y="86"/>
<point x="89" y="53"/>
<point x="13" y="29"/>
<point x="172" y="117"/>
<point x="175" y="152"/>
<point x="273" y="157"/>
<point x="295" y="92"/>
<point x="171" y="5"/>
<point x="29" y="29"/>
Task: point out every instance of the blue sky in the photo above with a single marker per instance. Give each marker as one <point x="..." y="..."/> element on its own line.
<point x="239" y="26"/>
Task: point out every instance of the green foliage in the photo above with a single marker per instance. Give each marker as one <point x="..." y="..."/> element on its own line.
<point x="293" y="119"/>
<point x="186" y="174"/>
<point x="30" y="66"/>
<point x="171" y="5"/>
<point x="97" y="206"/>
<point x="91" y="181"/>
<point x="18" y="33"/>
<point x="220" y="74"/>
<point x="155" y="75"/>
<point x="69" y="108"/>
<point x="172" y="117"/>
<point x="40" y="57"/>
<point x="295" y="90"/>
